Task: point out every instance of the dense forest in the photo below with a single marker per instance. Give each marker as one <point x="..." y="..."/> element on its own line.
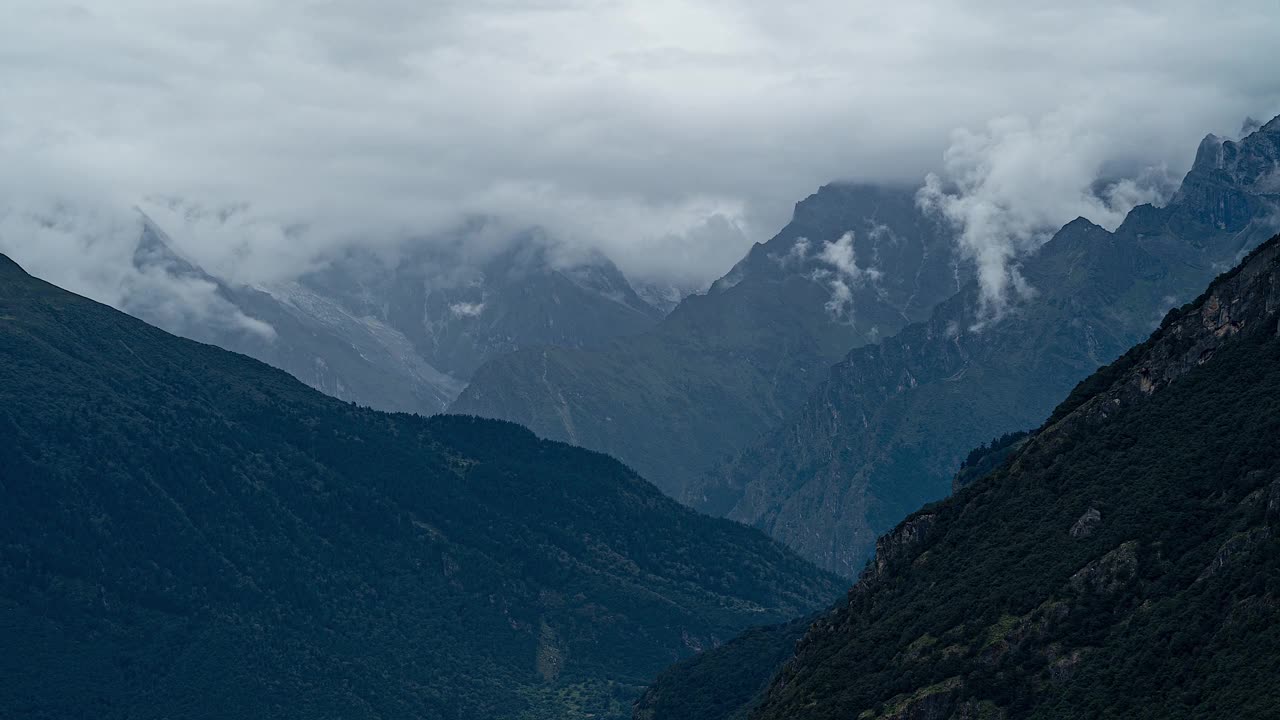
<point x="189" y="533"/>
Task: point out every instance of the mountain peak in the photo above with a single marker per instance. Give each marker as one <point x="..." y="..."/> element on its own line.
<point x="1209" y="153"/>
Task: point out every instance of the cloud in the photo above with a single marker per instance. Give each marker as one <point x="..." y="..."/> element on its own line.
<point x="843" y="274"/>
<point x="1010" y="186"/>
<point x="466" y="309"/>
<point x="669" y="134"/>
<point x="102" y="241"/>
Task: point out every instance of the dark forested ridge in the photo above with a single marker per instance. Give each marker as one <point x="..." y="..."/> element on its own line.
<point x="1122" y="562"/>
<point x="186" y="532"/>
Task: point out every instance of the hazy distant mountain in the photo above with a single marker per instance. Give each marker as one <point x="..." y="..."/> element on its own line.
<point x="190" y="533"/>
<point x="886" y="430"/>
<point x="1122" y="562"/>
<point x="406" y="334"/>
<point x="856" y="263"/>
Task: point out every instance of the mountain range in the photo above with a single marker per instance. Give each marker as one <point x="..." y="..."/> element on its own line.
<point x="188" y="532"/>
<point x="855" y="264"/>
<point x="1120" y="561"/>
<point x="886" y="429"/>
<point x="404" y="331"/>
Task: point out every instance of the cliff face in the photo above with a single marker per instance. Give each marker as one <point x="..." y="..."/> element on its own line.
<point x="887" y="429"/>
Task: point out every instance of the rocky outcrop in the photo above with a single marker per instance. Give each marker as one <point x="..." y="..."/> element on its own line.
<point x="896" y="546"/>
<point x="1109" y="573"/>
<point x="1087" y="523"/>
<point x="1234" y="549"/>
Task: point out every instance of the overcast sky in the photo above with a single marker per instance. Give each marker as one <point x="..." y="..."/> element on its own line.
<point x="670" y="134"/>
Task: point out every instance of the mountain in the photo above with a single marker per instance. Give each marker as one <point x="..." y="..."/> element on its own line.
<point x="188" y="532"/>
<point x="405" y="333"/>
<point x="856" y="262"/>
<point x="886" y="429"/>
<point x="348" y="355"/>
<point x="1121" y="562"/>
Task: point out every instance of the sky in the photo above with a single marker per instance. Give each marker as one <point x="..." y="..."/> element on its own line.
<point x="266" y="136"/>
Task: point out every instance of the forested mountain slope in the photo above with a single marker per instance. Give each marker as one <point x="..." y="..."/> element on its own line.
<point x="187" y="532"/>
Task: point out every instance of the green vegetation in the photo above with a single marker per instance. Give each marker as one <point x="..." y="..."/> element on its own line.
<point x="186" y="532"/>
<point x="725" y="682"/>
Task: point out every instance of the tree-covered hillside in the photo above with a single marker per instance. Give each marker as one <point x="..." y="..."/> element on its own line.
<point x="1123" y="562"/>
<point x="186" y="532"/>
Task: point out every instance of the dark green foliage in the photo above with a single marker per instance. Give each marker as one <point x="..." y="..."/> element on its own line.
<point x="987" y="457"/>
<point x="997" y="444"/>
<point x="724" y="683"/>
<point x="186" y="532"/>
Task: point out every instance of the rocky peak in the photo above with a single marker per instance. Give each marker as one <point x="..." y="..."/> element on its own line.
<point x="1253" y="162"/>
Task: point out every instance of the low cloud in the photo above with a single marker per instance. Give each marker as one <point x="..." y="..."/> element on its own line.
<point x="1009" y="187"/>
<point x="269" y="138"/>
<point x="842" y="273"/>
<point x="466" y="309"/>
<point x="103" y="241"/>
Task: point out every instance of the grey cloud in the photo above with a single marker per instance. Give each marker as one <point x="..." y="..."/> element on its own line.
<point x="669" y="135"/>
<point x="1008" y="188"/>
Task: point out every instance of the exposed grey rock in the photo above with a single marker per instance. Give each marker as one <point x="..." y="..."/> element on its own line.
<point x="1087" y="523"/>
<point x="1233" y="549"/>
<point x="1108" y="573"/>
<point x="897" y="545"/>
<point x="1062" y="665"/>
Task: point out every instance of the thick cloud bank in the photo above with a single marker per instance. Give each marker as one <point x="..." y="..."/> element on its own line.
<point x="266" y="136"/>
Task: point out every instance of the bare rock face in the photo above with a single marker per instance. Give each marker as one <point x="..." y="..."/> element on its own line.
<point x="936" y="702"/>
<point x="897" y="545"/>
<point x="1109" y="573"/>
<point x="1234" y="549"/>
<point x="1087" y="523"/>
